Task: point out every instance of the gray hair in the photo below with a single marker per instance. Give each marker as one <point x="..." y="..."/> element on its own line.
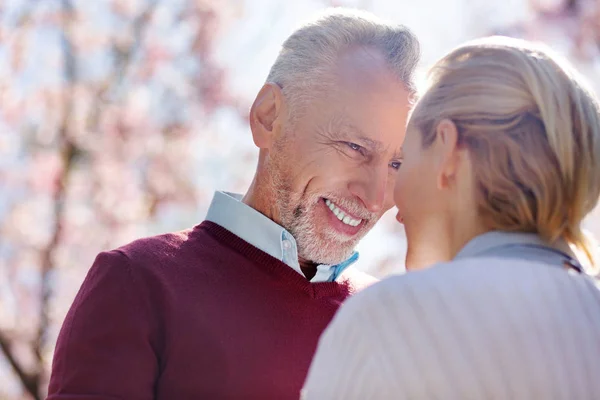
<point x="309" y="54"/>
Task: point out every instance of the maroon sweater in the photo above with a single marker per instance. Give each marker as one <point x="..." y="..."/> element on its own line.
<point x="199" y="314"/>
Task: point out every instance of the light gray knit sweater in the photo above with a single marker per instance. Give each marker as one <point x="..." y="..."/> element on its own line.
<point x="492" y="324"/>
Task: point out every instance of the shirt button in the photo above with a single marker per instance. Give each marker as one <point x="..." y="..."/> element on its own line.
<point x="286" y="244"/>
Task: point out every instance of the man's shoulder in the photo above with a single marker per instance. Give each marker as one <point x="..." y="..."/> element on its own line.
<point x="163" y="244"/>
<point x="199" y="248"/>
<point x="167" y="250"/>
<point x="159" y="260"/>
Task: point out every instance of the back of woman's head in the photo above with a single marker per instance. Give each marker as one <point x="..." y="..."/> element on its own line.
<point x="532" y="127"/>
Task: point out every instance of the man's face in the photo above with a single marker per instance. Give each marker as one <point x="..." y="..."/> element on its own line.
<point x="334" y="168"/>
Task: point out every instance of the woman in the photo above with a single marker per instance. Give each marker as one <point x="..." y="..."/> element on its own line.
<point x="501" y="165"/>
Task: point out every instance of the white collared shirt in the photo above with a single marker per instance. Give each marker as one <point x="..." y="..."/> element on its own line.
<point x="228" y="211"/>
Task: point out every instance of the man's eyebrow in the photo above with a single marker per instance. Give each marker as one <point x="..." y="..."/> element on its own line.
<point x="371" y="144"/>
<point x="374" y="145"/>
<point x="342" y="129"/>
<point x="398" y="154"/>
<point x="358" y="135"/>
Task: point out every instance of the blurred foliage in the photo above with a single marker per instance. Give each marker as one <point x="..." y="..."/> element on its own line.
<point x="99" y="103"/>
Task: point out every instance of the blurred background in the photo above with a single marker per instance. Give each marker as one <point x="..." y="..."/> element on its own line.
<point x="119" y="118"/>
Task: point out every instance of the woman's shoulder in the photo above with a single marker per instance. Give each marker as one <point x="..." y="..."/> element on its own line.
<point x="470" y="297"/>
<point x="448" y="273"/>
<point x="478" y="278"/>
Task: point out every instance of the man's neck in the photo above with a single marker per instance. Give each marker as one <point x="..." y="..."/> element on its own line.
<point x="262" y="200"/>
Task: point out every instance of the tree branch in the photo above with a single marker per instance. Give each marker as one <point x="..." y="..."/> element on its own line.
<point x="125" y="56"/>
<point x="28" y="381"/>
<point x="67" y="151"/>
<point x="31" y="381"/>
<point x="124" y="60"/>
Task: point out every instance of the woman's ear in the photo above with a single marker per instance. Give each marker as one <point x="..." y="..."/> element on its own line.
<point x="448" y="152"/>
<point x="266" y="114"/>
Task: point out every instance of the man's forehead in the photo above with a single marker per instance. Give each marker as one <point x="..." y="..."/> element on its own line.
<point x="361" y="65"/>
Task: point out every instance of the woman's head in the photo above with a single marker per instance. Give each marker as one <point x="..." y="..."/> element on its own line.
<point x="507" y="137"/>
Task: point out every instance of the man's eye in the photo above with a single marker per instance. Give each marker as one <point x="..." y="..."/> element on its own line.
<point x="354" y="146"/>
<point x="395" y="164"/>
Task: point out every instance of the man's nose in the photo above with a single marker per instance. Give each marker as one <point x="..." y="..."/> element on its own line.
<point x="372" y="188"/>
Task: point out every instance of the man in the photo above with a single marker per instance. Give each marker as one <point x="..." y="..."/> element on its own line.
<point x="234" y="307"/>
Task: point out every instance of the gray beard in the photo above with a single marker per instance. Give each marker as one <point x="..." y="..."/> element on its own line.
<point x="319" y="247"/>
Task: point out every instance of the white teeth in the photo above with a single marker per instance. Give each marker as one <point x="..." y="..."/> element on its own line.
<point x="346" y="219"/>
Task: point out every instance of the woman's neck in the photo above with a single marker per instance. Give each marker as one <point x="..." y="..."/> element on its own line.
<point x="439" y="239"/>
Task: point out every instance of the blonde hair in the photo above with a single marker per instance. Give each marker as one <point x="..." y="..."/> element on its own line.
<point x="532" y="127"/>
<point x="307" y="56"/>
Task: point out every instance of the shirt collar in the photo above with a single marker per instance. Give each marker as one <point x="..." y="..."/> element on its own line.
<point x="493" y="239"/>
<point x="228" y="211"/>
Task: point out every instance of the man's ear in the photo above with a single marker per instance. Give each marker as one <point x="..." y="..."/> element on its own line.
<point x="266" y="115"/>
<point x="448" y="152"/>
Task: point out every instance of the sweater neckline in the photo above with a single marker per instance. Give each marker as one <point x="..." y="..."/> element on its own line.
<point x="272" y="265"/>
